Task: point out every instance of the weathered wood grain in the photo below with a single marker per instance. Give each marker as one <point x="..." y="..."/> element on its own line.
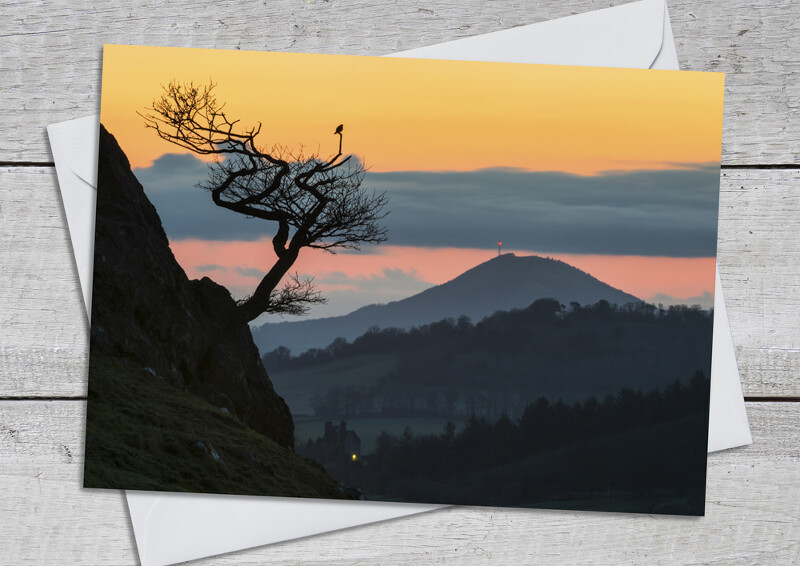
<point x="43" y="327"/>
<point x="759" y="259"/>
<point x="753" y="511"/>
<point x="50" y="52"/>
<point x="44" y="346"/>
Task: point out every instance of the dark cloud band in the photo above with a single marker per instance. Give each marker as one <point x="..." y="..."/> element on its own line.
<point x="669" y="212"/>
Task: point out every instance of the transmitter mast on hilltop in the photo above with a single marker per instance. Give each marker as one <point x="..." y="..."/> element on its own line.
<point x="499" y="248"/>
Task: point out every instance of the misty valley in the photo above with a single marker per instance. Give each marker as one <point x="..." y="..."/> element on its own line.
<point x="601" y="405"/>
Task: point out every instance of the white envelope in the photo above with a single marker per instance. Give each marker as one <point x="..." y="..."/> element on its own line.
<point x="174" y="527"/>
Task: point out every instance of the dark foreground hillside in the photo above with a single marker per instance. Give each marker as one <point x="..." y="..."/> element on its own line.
<point x="146" y="434"/>
<point x="178" y="396"/>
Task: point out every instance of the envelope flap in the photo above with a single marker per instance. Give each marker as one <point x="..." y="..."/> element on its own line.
<point x="176" y="527"/>
<point x="628" y="36"/>
<point x="74" y="145"/>
<point x="77" y="140"/>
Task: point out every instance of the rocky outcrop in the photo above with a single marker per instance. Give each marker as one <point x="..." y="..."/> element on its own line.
<point x="147" y="311"/>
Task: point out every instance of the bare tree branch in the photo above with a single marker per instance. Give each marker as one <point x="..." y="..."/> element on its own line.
<point x="295" y="297"/>
<point x="316" y="203"/>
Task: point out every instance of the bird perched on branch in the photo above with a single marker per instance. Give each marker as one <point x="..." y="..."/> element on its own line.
<point x="339" y="129"/>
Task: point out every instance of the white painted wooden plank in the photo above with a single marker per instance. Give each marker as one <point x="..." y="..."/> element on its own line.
<point x="50" y="51"/>
<point x="757" y="45"/>
<point x="753" y="511"/>
<point x="759" y="258"/>
<point x="43" y="327"/>
<point x="44" y="343"/>
<point x="45" y="516"/>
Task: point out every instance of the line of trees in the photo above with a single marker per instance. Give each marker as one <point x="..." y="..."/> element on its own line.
<point x="544" y="312"/>
<point x="454" y="368"/>
<point x="647" y="449"/>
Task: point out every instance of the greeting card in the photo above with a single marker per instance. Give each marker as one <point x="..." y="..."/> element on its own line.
<point x="403" y="280"/>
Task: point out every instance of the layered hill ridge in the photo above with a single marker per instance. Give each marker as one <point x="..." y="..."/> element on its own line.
<point x="503" y="283"/>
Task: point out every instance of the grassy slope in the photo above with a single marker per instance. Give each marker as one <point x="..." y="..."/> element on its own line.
<point x="142" y="433"/>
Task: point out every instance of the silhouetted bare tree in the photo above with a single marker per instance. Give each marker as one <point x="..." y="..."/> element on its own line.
<point x="316" y="203"/>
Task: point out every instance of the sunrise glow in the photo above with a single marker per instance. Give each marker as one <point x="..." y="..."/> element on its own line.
<point x="237" y="266"/>
<point x="402" y="114"/>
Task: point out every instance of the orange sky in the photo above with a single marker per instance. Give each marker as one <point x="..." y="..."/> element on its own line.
<point x="407" y="114"/>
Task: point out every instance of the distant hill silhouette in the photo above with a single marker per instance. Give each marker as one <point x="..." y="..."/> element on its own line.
<point x="502" y="283"/>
